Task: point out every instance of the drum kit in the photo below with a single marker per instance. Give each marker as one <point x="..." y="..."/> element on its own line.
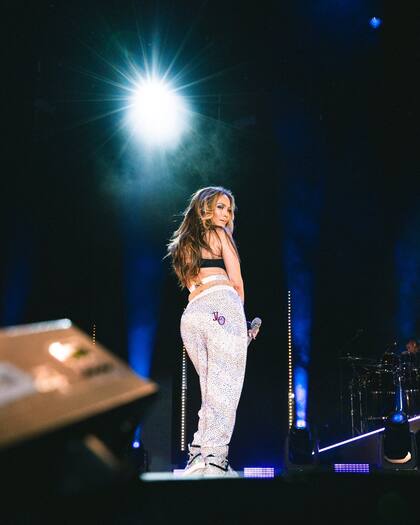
<point x="373" y="387"/>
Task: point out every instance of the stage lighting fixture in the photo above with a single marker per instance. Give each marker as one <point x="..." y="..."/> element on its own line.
<point x="158" y="113"/>
<point x="137" y="456"/>
<point x="301" y="448"/>
<point x="398" y="443"/>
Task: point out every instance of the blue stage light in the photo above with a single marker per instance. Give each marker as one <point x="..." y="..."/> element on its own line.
<point x="398" y="417"/>
<point x="136" y="438"/>
<point x="375" y="22"/>
<point x="301" y="395"/>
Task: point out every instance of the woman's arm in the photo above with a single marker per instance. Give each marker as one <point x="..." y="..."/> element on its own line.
<point x="231" y="260"/>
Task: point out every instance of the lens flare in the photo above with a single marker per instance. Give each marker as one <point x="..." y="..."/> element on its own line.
<point x="157" y="113"/>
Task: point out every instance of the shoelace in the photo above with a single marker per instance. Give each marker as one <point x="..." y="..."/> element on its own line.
<point x="223" y="465"/>
<point x="192" y="455"/>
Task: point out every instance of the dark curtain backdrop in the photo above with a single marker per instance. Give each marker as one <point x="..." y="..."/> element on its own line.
<point x="307" y="108"/>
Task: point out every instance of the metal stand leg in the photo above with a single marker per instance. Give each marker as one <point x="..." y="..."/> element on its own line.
<point x="353" y="431"/>
<point x="361" y="431"/>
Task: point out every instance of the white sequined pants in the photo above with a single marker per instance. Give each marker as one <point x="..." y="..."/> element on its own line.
<point x="214" y="333"/>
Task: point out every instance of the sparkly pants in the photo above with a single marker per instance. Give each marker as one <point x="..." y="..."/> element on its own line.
<point x="214" y="332"/>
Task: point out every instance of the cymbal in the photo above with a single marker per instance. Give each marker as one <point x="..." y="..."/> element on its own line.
<point x="362" y="363"/>
<point x="353" y="358"/>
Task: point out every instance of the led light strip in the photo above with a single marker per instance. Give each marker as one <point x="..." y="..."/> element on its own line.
<point x="352" y="467"/>
<point x="94" y="334"/>
<point x="259" y="472"/>
<point x="184" y="388"/>
<point x="362" y="436"/>
<point x="291" y="396"/>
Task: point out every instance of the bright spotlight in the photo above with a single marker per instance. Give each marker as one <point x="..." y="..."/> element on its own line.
<point x="158" y="114"/>
<point x="375" y="22"/>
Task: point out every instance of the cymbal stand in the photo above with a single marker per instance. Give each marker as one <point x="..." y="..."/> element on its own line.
<point x="346" y="346"/>
<point x="361" y="419"/>
<point x="353" y="427"/>
<point x="400" y="396"/>
<point x="356" y="423"/>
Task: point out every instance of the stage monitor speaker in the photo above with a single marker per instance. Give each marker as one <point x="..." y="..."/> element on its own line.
<point x="68" y="406"/>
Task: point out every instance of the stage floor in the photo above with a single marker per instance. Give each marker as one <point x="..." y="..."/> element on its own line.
<point x="304" y="497"/>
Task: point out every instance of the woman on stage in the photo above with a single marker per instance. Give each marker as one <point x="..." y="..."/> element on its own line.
<point x="213" y="325"/>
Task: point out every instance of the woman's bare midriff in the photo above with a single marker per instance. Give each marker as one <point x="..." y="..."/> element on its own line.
<point x="205" y="272"/>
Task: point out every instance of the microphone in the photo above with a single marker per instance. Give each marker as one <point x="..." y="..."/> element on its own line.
<point x="253" y="328"/>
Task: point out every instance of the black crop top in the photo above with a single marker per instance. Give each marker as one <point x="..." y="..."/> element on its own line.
<point x="213" y="263"/>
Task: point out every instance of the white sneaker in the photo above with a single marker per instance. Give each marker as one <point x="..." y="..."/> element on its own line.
<point x="218" y="469"/>
<point x="195" y="464"/>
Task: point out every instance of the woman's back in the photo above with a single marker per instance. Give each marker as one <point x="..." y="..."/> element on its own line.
<point x="207" y="256"/>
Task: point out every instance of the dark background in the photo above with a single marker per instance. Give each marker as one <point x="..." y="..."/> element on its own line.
<point x="306" y="113"/>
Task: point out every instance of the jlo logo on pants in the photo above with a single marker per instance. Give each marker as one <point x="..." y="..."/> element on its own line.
<point x="219" y="318"/>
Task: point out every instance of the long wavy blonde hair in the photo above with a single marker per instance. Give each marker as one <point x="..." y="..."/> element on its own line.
<point x="191" y="237"/>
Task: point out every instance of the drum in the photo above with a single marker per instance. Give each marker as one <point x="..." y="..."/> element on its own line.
<point x="389" y="361"/>
<point x="380" y="380"/>
<point x="379" y="395"/>
<point x="410" y="381"/>
<point x="412" y="402"/>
